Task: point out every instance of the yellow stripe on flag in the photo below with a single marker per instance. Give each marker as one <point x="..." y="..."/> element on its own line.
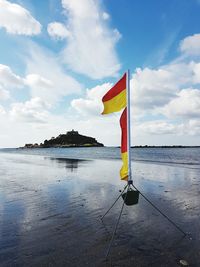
<point x="115" y="104"/>
<point x="124" y="168"/>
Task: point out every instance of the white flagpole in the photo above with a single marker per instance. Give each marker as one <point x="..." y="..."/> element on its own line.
<point x="128" y="126"/>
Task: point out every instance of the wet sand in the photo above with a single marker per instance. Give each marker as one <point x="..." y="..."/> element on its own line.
<point x="50" y="212"/>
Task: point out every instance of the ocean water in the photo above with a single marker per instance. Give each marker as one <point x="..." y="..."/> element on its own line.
<point x="183" y="156"/>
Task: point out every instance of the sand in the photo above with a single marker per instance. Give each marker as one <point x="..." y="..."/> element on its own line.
<point x="50" y="213"/>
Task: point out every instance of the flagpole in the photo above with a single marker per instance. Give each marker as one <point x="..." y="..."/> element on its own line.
<point x="128" y="126"/>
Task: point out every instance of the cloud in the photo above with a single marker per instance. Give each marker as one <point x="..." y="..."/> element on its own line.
<point x="2" y="110"/>
<point x="165" y="101"/>
<point x="186" y="128"/>
<point x="91" y="105"/>
<point x="196" y="73"/>
<point x="192" y="127"/>
<point x="191" y="45"/>
<point x="58" y="30"/>
<point x="153" y="88"/>
<point x="17" y="20"/>
<point x="46" y="76"/>
<point x="4" y="94"/>
<point x="8" y="78"/>
<point x="38" y="81"/>
<point x="185" y="105"/>
<point x="150" y="89"/>
<point x="90" y="49"/>
<point x="32" y="111"/>
<point x="157" y="128"/>
<point x="105" y="16"/>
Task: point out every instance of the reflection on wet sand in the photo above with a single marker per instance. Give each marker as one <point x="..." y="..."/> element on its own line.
<point x="71" y="164"/>
<point x="52" y="218"/>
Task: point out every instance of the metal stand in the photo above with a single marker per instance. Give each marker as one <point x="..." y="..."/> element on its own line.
<point x="129" y="184"/>
<point x="114" y="202"/>
<point x="164" y="215"/>
<point x="117" y="223"/>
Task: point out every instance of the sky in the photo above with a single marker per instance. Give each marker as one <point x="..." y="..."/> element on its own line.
<point x="59" y="57"/>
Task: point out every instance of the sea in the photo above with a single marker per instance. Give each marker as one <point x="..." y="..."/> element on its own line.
<point x="181" y="155"/>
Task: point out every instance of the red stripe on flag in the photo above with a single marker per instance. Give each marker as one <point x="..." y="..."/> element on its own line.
<point x="116" y="89"/>
<point x="123" y="124"/>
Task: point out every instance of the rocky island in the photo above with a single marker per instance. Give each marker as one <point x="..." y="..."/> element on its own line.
<point x="70" y="139"/>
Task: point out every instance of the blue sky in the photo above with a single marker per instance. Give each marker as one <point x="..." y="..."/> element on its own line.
<point x="58" y="58"/>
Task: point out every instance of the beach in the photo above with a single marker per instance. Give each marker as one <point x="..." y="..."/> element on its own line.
<point x="51" y="208"/>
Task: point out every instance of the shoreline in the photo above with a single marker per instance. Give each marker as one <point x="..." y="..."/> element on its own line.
<point x="93" y="146"/>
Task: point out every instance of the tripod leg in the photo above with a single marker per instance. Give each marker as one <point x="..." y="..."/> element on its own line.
<point x="114" y="202"/>
<point x="117" y="223"/>
<point x="155" y="207"/>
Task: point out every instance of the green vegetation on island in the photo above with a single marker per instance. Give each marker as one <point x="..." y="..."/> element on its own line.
<point x="70" y="139"/>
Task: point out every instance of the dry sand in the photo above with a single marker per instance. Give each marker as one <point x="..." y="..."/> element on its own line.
<point x="50" y="214"/>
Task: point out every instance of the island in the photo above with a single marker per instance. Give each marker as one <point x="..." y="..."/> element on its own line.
<point x="70" y="139"/>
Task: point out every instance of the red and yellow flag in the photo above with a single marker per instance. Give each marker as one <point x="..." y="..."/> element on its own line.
<point x="124" y="154"/>
<point x="115" y="99"/>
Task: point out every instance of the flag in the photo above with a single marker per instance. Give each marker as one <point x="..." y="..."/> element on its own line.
<point x="115" y="99"/>
<point x="124" y="154"/>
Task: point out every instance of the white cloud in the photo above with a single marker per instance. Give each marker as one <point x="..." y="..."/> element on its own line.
<point x="17" y="20"/>
<point x="35" y="80"/>
<point x="105" y="16"/>
<point x="196" y="73"/>
<point x="32" y="111"/>
<point x="151" y="88"/>
<point x="4" y="94"/>
<point x="191" y="45"/>
<point x="90" y="49"/>
<point x="164" y="102"/>
<point x="45" y="79"/>
<point x="161" y="50"/>
<point x="157" y="128"/>
<point x="185" y="105"/>
<point x="58" y="30"/>
<point x="192" y="127"/>
<point x="8" y="78"/>
<point x="154" y="92"/>
<point x="2" y="110"/>
<point x="29" y="128"/>
<point x="91" y="105"/>
<point x="46" y="76"/>
<point x="186" y="128"/>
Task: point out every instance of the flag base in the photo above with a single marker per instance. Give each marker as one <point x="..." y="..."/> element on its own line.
<point x="131" y="197"/>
